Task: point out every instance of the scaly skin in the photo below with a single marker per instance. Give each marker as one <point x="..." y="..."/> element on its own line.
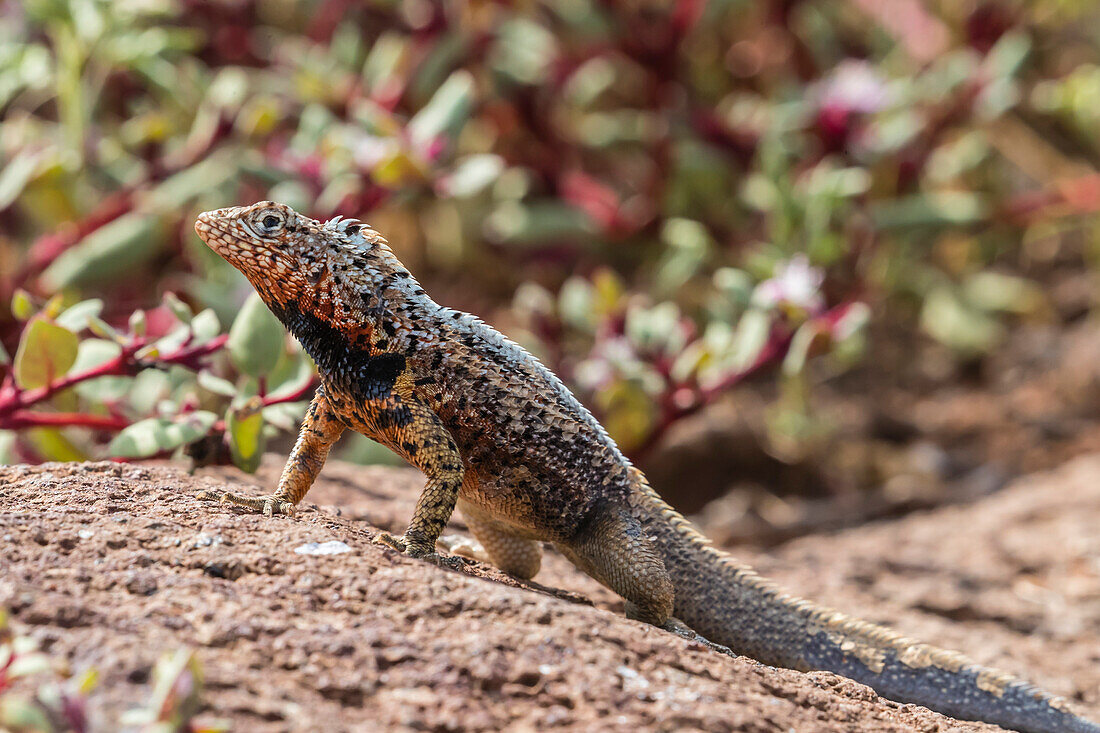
<point x="496" y="433"/>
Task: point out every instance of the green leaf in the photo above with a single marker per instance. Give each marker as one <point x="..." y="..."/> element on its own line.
<point x="205" y="326"/>
<point x="291" y="376"/>
<point x="103" y="329"/>
<point x="447" y="111"/>
<point x="78" y="317"/>
<point x="472" y="174"/>
<point x="7" y="451"/>
<point x="257" y="339"/>
<point x="951" y="321"/>
<point x="384" y="59"/>
<point x="576" y="303"/>
<point x="629" y="411"/>
<point x="169" y="343"/>
<point x="158" y="435"/>
<point x="4" y="358"/>
<point x="53" y="306"/>
<point x="994" y="291"/>
<point x="536" y="222"/>
<point x="19" y="713"/>
<point x="17" y="174"/>
<point x="179" y="309"/>
<point x="246" y="438"/>
<point x="801" y="343"/>
<point x="22" y="307"/>
<point x="53" y="445"/>
<point x="752" y="335"/>
<point x="178" y="191"/>
<point x="137" y="323"/>
<point x="92" y="353"/>
<point x="1007" y="56"/>
<point x="46" y="352"/>
<point x="110" y="251"/>
<point x="285" y="415"/>
<point x="949" y="208"/>
<point x="217" y="385"/>
<point x="524" y="51"/>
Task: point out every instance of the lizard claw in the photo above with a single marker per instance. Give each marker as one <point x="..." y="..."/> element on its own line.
<point x="269" y="505"/>
<point x="675" y="626"/>
<point x="394" y="543"/>
<point x="401" y="544"/>
<point x="274" y="505"/>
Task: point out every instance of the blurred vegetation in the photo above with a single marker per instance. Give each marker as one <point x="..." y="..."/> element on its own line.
<point x="659" y="199"/>
<point x="40" y="694"/>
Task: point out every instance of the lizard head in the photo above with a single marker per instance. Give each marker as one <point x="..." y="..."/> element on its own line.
<point x="319" y="278"/>
<point x="280" y="251"/>
<point x="293" y="260"/>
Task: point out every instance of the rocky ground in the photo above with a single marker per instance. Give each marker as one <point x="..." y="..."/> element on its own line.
<point x="112" y="565"/>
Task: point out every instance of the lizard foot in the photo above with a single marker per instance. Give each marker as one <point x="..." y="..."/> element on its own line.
<point x="388" y="540"/>
<point x="402" y="545"/>
<point x="269" y="505"/>
<point x="675" y="626"/>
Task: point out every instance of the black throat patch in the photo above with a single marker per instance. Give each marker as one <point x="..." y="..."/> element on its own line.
<point x="342" y="364"/>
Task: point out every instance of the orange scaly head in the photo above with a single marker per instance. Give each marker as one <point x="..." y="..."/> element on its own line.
<point x="282" y="253"/>
<point x="333" y="283"/>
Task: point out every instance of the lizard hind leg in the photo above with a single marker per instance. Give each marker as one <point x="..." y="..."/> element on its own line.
<point x="520" y="557"/>
<point x="614" y="549"/>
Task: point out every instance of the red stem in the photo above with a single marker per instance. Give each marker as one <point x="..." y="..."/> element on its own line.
<point x="13" y="401"/>
<point x="119" y="366"/>
<point x="24" y="419"/>
<point x="773" y="351"/>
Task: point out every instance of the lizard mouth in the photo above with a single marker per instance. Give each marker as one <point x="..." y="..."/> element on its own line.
<point x="255" y="260"/>
<point x="211" y="230"/>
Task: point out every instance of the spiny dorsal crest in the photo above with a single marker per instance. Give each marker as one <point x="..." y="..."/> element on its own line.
<point x="344" y="226"/>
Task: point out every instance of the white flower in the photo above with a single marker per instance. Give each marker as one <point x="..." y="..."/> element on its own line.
<point x="795" y="283"/>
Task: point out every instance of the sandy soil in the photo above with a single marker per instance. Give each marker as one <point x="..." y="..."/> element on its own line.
<point x="111" y="565"/>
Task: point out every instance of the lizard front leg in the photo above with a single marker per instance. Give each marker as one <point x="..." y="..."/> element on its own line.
<point x="413" y="430"/>
<point x="320" y="429"/>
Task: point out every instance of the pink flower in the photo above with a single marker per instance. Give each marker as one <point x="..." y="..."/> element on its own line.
<point x="795" y="284"/>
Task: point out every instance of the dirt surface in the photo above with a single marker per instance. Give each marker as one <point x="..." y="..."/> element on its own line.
<point x="111" y="565"/>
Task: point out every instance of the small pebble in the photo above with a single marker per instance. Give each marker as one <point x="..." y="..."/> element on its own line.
<point x="205" y="540"/>
<point x="332" y="547"/>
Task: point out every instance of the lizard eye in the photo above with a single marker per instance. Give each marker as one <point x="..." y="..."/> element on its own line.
<point x="269" y="222"/>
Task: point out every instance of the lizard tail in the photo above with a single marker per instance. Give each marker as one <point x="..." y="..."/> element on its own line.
<point x="730" y="604"/>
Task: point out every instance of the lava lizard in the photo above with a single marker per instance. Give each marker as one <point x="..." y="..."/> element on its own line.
<point x="500" y="436"/>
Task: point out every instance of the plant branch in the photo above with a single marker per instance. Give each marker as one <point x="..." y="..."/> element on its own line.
<point x="23" y="419"/>
<point x="773" y="352"/>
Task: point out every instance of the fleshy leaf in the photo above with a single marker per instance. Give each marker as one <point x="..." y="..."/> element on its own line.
<point x="752" y="335"/>
<point x="179" y="309"/>
<point x="46" y="352"/>
<point x="446" y="112"/>
<point x="292" y="376"/>
<point x="205" y="326"/>
<point x="115" y="248"/>
<point x="246" y="437"/>
<point x="77" y="317"/>
<point x="22" y="307"/>
<point x="158" y="435"/>
<point x="256" y="340"/>
<point x="217" y="385"/>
